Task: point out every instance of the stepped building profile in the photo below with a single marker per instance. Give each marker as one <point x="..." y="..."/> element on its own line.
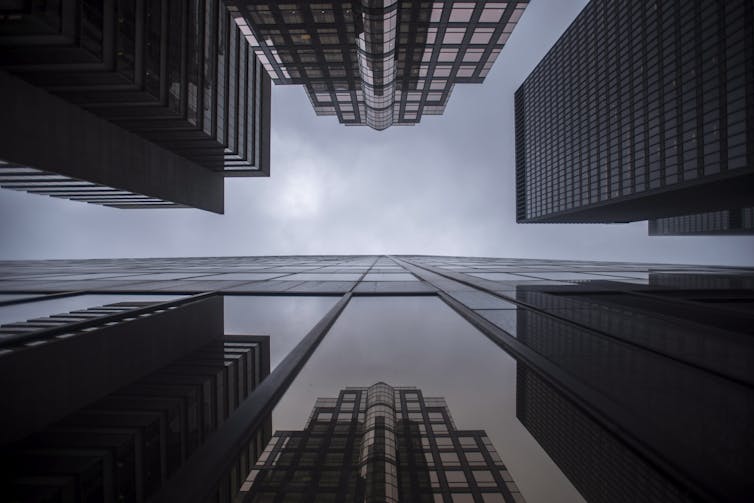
<point x="136" y="104"/>
<point x="377" y="62"/>
<point x="381" y="444"/>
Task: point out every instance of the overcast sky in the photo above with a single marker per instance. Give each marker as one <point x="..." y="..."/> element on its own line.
<point x="443" y="187"/>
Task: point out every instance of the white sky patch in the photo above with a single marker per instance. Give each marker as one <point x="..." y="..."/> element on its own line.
<point x="301" y="191"/>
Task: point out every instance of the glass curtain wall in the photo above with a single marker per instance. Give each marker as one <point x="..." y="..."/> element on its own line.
<point x="593" y="381"/>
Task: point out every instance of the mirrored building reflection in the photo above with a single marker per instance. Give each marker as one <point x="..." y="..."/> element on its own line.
<point x="380" y="444"/>
<point x="377" y="63"/>
<point x="596" y="381"/>
<point x="652" y="398"/>
<point x="108" y="403"/>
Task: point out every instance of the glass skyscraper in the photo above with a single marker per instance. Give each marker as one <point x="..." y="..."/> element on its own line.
<point x="641" y="110"/>
<point x="145" y="104"/>
<point x="377" y="62"/>
<point x="604" y="381"/>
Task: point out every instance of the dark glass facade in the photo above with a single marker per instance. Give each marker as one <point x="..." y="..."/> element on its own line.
<point x="641" y="110"/>
<point x="136" y="438"/>
<point x="739" y="221"/>
<point x="378" y="63"/>
<point x="381" y="444"/>
<point x="632" y="381"/>
<point x="683" y="362"/>
<point x="164" y="382"/>
<point x="177" y="74"/>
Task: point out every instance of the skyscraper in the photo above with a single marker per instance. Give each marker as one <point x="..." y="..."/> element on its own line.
<point x="108" y="403"/>
<point x="146" y="104"/>
<point x="623" y="435"/>
<point x="380" y="444"/>
<point x="377" y="62"/>
<point x="635" y="379"/>
<point x="641" y="110"/>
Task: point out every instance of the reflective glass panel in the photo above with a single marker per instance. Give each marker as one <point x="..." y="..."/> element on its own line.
<point x="285" y="319"/>
<point x="373" y="276"/>
<point x="38" y="309"/>
<point x="419" y="341"/>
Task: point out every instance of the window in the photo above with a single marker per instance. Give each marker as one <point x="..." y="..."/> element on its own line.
<point x="482" y="35"/>
<point x="454" y="35"/>
<point x="484" y="478"/>
<point x="449" y="55"/>
<point x="492" y="13"/>
<point x="461" y="12"/>
<point x="456" y="478"/>
<point x="450" y="459"/>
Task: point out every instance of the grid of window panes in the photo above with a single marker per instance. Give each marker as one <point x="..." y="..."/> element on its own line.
<point x="618" y="337"/>
<point x="597" y="306"/>
<point x="434" y="458"/>
<point x="637" y="97"/>
<point x="736" y="221"/>
<point x="613" y="469"/>
<point x="438" y="45"/>
<point x="195" y="89"/>
<point x="364" y="274"/>
<point x="321" y="459"/>
<point x="604" y="362"/>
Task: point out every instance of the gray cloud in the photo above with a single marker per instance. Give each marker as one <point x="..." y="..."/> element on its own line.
<point x="445" y="186"/>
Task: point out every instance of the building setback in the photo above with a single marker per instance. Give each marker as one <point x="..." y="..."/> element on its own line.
<point x="381" y="444"/>
<point x="641" y="110"/>
<point x="378" y="62"/>
<point x="155" y="101"/>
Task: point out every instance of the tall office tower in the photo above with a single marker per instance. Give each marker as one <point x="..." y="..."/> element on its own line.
<point x="685" y="360"/>
<point x="108" y="403"/>
<point x="377" y="62"/>
<point x="642" y="110"/>
<point x="137" y="104"/>
<point x="637" y="380"/>
<point x="381" y="444"/>
<point x="735" y="222"/>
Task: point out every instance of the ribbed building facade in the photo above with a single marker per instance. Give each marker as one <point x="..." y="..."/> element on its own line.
<point x="177" y="80"/>
<point x="641" y="110"/>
